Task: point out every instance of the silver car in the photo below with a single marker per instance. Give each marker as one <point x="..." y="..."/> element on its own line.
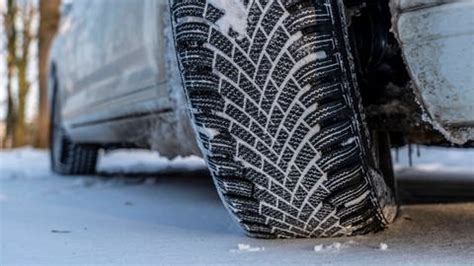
<point x="294" y="104"/>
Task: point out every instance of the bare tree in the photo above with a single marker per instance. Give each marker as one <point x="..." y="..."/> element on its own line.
<point x="18" y="24"/>
<point x="26" y="15"/>
<point x="49" y="18"/>
<point x="9" y="18"/>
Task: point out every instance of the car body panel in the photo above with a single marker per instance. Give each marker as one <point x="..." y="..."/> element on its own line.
<point x="116" y="63"/>
<point x="118" y="82"/>
<point x="437" y="40"/>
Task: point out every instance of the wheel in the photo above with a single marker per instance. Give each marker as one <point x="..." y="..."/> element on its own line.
<point x="66" y="157"/>
<point x="277" y="113"/>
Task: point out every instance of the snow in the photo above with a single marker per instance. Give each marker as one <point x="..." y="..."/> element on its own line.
<point x="334" y="247"/>
<point x="116" y="162"/>
<point x="318" y="248"/>
<point x="432" y="159"/>
<point x="243" y="246"/>
<point x="146" y="161"/>
<point x="247" y="248"/>
<point x="145" y="209"/>
<point x="209" y="132"/>
<point x="235" y="16"/>
<point x="12" y="164"/>
<point x="357" y="200"/>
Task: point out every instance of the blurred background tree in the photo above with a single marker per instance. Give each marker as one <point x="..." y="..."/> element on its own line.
<point x="49" y="19"/>
<point x="9" y="27"/>
<point x="25" y="35"/>
<point x="20" y="24"/>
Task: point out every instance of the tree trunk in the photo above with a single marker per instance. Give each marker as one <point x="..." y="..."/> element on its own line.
<point x="10" y="116"/>
<point x="49" y="18"/>
<point x="9" y="26"/>
<point x="20" y="135"/>
<point x="26" y="16"/>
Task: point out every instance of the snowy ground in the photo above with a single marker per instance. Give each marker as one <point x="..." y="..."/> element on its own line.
<point x="143" y="209"/>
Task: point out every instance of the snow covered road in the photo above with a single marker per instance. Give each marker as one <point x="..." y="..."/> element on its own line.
<point x="143" y="209"/>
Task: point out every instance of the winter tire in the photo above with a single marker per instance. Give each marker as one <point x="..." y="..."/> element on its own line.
<point x="68" y="158"/>
<point x="272" y="93"/>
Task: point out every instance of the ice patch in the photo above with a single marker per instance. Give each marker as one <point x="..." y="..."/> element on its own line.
<point x="235" y="16"/>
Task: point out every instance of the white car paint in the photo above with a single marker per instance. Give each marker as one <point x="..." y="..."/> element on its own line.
<point x="437" y="40"/>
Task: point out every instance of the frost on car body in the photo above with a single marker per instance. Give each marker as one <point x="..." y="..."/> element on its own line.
<point x="436" y="38"/>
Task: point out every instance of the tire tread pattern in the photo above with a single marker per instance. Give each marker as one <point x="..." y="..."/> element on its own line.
<point x="275" y="115"/>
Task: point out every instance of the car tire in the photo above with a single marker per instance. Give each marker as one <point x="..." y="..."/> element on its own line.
<point x="66" y="157"/>
<point x="276" y="109"/>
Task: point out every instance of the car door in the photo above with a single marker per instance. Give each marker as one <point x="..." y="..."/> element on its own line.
<point x="118" y="69"/>
<point x="72" y="22"/>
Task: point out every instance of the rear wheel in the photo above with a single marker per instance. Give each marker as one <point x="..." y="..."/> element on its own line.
<point x="68" y="158"/>
<point x="277" y="113"/>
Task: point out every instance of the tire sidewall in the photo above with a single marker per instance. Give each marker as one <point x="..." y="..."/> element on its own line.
<point x="56" y="139"/>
